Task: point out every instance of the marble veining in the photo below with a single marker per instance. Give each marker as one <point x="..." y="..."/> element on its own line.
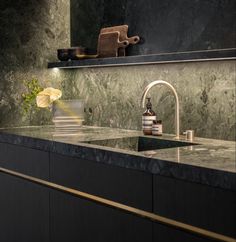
<point x="212" y="162"/>
<point x="31" y="32"/>
<point x="112" y="95"/>
<point x="206" y="91"/>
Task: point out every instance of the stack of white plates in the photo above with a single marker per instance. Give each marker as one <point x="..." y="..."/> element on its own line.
<point x="67" y="121"/>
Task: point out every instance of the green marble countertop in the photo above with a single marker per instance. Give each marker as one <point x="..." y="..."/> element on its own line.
<point x="213" y="158"/>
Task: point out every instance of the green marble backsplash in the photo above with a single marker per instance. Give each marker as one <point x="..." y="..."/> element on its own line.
<point x="112" y="95"/>
<point x="31" y="32"/>
<point x="30" y="36"/>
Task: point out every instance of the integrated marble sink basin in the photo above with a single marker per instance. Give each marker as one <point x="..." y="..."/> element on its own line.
<point x="139" y="143"/>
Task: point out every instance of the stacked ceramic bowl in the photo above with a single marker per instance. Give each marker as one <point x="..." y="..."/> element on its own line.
<point x="147" y="122"/>
<point x="68" y="115"/>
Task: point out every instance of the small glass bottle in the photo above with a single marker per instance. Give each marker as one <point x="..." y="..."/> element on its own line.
<point x="148" y="117"/>
<point x="157" y="128"/>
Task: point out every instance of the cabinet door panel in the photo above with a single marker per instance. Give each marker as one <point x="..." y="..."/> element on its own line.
<point x="25" y="160"/>
<point x="74" y="219"/>
<point x="163" y="233"/>
<point x="118" y="184"/>
<point x="24" y="211"/>
<point x="203" y="206"/>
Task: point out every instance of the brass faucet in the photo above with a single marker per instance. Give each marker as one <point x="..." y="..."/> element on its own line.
<point x="160" y="82"/>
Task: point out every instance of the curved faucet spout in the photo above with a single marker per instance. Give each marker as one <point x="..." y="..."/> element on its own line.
<point x="160" y="82"/>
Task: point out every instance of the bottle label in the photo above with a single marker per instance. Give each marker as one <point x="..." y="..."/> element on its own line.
<point x="148" y="118"/>
<point x="160" y="128"/>
<point x="157" y="129"/>
<point x="147" y="122"/>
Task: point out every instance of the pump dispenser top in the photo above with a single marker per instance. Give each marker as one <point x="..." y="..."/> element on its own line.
<point x="149" y="111"/>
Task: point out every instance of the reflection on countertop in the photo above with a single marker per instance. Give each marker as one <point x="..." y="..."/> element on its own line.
<point x="211" y="161"/>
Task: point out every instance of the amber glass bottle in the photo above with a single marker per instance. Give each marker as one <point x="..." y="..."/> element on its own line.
<point x="148" y="117"/>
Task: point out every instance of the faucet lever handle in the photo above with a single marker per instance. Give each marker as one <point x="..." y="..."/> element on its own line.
<point x="189" y="134"/>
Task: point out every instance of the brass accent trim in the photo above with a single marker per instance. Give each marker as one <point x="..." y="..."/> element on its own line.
<point x="120" y="206"/>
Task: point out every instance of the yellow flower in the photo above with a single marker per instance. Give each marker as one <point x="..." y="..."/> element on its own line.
<point x="47" y="97"/>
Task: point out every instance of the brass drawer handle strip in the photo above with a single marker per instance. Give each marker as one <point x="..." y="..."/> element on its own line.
<point x="120" y="206"/>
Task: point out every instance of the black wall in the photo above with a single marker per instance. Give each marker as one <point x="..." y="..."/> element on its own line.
<point x="164" y="25"/>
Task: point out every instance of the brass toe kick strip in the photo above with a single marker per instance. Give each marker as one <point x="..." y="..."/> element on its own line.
<point x="120" y="206"/>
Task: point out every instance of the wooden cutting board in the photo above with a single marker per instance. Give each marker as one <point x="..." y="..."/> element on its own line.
<point x="109" y="43"/>
<point x="123" y="29"/>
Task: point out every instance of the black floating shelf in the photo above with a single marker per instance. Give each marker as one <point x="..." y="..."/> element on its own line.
<point x="190" y="56"/>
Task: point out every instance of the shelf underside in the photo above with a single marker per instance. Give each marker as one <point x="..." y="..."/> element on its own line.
<point x="190" y="56"/>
